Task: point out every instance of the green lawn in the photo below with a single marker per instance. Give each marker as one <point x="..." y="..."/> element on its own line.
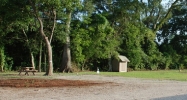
<point x="160" y="75"/>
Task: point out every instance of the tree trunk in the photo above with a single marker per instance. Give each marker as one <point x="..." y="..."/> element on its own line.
<point x="32" y="60"/>
<point x="49" y="72"/>
<point x="66" y="63"/>
<point x="66" y="60"/>
<point x="50" y="60"/>
<point x="2" y="59"/>
<point x="163" y="20"/>
<point x="31" y="53"/>
<point x="45" y="61"/>
<point x="40" y="57"/>
<point x="110" y="64"/>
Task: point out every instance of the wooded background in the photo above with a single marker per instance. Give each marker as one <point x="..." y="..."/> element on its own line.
<point x="64" y="35"/>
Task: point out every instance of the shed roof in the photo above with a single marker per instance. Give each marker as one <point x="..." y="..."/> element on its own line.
<point x="123" y="58"/>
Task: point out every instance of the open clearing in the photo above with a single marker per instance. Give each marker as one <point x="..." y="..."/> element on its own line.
<point x="91" y="87"/>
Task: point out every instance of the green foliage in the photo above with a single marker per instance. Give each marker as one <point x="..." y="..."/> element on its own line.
<point x="71" y="4"/>
<point x="81" y="42"/>
<point x="174" y="39"/>
<point x="5" y="61"/>
<point x="102" y="34"/>
<point x="96" y="42"/>
<point x="131" y="45"/>
<point x="8" y="63"/>
<point x="99" y="29"/>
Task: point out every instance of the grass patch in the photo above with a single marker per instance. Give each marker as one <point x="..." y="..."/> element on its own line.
<point x="160" y="75"/>
<point x="14" y="75"/>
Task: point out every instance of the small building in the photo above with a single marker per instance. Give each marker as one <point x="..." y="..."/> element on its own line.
<point x="120" y="65"/>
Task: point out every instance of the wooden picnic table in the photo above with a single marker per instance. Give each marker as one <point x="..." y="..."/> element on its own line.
<point x="27" y="69"/>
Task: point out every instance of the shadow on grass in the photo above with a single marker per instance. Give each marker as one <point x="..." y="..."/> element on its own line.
<point x="5" y="74"/>
<point x="177" y="97"/>
<point x="15" y="75"/>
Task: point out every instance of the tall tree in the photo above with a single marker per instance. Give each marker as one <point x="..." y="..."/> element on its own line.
<point x="156" y="13"/>
<point x="15" y="20"/>
<point x="173" y="36"/>
<point x="94" y="40"/>
<point x="69" y="7"/>
<point x="46" y="10"/>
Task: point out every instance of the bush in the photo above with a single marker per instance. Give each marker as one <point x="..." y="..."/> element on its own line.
<point x="8" y="63"/>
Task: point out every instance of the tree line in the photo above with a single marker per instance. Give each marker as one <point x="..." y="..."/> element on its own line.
<point x="64" y="35"/>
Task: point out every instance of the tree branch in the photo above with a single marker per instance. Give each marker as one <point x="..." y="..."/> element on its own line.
<point x="165" y="17"/>
<point x="54" y="24"/>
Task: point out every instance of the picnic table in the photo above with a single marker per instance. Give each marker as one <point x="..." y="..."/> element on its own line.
<point x="27" y="69"/>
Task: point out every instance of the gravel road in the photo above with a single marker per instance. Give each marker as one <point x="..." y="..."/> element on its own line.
<point x="116" y="88"/>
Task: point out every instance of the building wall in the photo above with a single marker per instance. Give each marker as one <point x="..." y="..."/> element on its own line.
<point x="123" y="67"/>
<point x="119" y="66"/>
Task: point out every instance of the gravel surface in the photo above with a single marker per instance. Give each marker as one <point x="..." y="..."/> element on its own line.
<point x="116" y="88"/>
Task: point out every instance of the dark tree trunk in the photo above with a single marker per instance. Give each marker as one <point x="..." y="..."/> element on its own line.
<point x="40" y="57"/>
<point x="66" y="60"/>
<point x="31" y="53"/>
<point x="110" y="64"/>
<point x="45" y="61"/>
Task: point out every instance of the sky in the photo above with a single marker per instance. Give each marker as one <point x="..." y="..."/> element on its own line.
<point x="166" y="3"/>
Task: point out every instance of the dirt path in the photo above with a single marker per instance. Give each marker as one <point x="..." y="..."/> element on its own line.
<point x="115" y="88"/>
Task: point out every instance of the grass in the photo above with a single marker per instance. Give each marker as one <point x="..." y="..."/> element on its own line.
<point x="14" y="75"/>
<point x="160" y="75"/>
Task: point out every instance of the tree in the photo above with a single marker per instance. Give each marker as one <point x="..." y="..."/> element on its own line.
<point x="124" y="17"/>
<point x="70" y="6"/>
<point x="94" y="41"/>
<point x="155" y="15"/>
<point x="92" y="32"/>
<point x="41" y="10"/>
<point x="174" y="37"/>
<point x="12" y="21"/>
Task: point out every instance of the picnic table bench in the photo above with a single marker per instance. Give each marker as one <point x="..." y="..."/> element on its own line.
<point x="27" y="69"/>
